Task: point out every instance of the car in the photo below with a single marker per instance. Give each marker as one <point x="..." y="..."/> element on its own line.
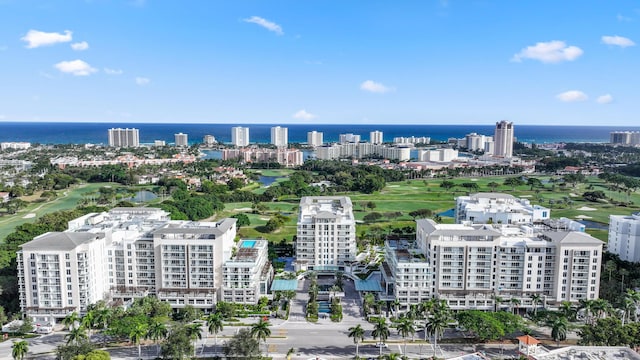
<point x="380" y="345"/>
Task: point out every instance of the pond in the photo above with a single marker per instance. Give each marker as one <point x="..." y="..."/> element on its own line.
<point x="143" y="196"/>
<point x="267" y="180"/>
<point x="594" y="225"/>
<point x="448" y="213"/>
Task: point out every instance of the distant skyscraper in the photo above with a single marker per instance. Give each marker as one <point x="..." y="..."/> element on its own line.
<point x="375" y="137"/>
<point x="503" y="139"/>
<point x="349" y="138"/>
<point x="314" y="138"/>
<point x="181" y="139"/>
<point x="625" y="137"/>
<point x="279" y="136"/>
<point x="209" y="140"/>
<point x="124" y="137"/>
<point x="159" y="143"/>
<point x="240" y="136"/>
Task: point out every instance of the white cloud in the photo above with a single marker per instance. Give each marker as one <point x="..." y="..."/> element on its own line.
<point x="35" y="38"/>
<point x="269" y="25"/>
<point x="623" y="18"/>
<point x="142" y="81"/>
<point x="304" y="115"/>
<point x="549" y="52"/>
<point x="81" y="46"/>
<point x="605" y="99"/>
<point x="3" y="116"/>
<point x="572" y="96"/>
<point x="618" y="41"/>
<point x="109" y="71"/>
<point x="375" y="87"/>
<point x="75" y="67"/>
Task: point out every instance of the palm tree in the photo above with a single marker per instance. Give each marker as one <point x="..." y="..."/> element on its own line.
<point x="71" y="320"/>
<point x="536" y="299"/>
<point x="392" y="356"/>
<point x="88" y="321"/>
<point x="75" y="335"/>
<point x="261" y="331"/>
<point x="559" y="326"/>
<point x="435" y="326"/>
<point x="380" y="331"/>
<point x="137" y="333"/>
<point x="357" y="333"/>
<point x="19" y="349"/>
<point x="102" y="317"/>
<point x="566" y="309"/>
<point x="497" y="300"/>
<point x="405" y="328"/>
<point x="587" y="306"/>
<point x="157" y="331"/>
<point x="215" y="325"/>
<point x="396" y="307"/>
<point x="515" y="302"/>
<point x="194" y="332"/>
<point x="623" y="272"/>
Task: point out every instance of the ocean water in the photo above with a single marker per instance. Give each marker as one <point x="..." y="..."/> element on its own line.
<point x="96" y="133"/>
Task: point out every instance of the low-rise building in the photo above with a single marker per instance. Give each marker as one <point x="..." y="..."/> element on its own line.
<point x="248" y="274"/>
<point x="499" y="208"/>
<point x="362" y="150"/>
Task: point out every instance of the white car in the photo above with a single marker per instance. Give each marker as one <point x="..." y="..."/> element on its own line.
<point x="380" y="345"/>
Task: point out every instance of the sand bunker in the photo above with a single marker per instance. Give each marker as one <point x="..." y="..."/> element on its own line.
<point x="586" y="208"/>
<point x="583" y="217"/>
<point x="29" y="216"/>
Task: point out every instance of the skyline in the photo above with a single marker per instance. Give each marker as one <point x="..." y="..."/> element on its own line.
<point x="285" y="62"/>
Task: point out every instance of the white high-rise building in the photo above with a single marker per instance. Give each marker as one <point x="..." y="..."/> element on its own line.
<point x="123" y="254"/>
<point x="469" y="265"/>
<point x="348" y="138"/>
<point x="498" y="208"/>
<point x="124" y="137"/>
<point x="314" y="138"/>
<point x="503" y="139"/>
<point x="475" y="142"/>
<point x="326" y="236"/>
<point x="209" y="140"/>
<point x="181" y="139"/>
<point x="248" y="274"/>
<point x="624" y="236"/>
<point x="240" y="136"/>
<point x="438" y="155"/>
<point x="375" y="137"/>
<point x="279" y="136"/>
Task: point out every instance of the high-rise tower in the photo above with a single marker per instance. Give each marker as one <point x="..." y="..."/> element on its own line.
<point x="503" y="139"/>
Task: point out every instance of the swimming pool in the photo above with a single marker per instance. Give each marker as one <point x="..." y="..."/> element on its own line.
<point x="248" y="243"/>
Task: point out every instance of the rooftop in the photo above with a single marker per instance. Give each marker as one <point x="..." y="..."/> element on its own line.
<point x="59" y="241"/>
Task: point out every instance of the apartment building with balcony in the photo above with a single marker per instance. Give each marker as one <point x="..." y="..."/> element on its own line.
<point x="624" y="236"/>
<point x="498" y="208"/>
<point x="326" y="233"/>
<point x="121" y="255"/>
<point x="469" y="265"/>
<point x="248" y="274"/>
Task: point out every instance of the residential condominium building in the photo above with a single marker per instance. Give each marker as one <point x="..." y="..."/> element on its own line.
<point x="240" y="136"/>
<point x="625" y="137"/>
<point x="438" y="155"/>
<point x="470" y="265"/>
<point x="412" y="140"/>
<point x="314" y="138"/>
<point x="279" y="136"/>
<point x="121" y="255"/>
<point x="119" y="137"/>
<point x="376" y="137"/>
<point x="499" y="208"/>
<point x="283" y="156"/>
<point x="503" y="139"/>
<point x="248" y="274"/>
<point x="348" y="138"/>
<point x="624" y="236"/>
<point x="209" y="140"/>
<point x="15" y="145"/>
<point x="181" y="139"/>
<point x="362" y="150"/>
<point x="326" y="234"/>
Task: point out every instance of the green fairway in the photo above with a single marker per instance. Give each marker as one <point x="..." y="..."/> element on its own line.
<point x="67" y="199"/>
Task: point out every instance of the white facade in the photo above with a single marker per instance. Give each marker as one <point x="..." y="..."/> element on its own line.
<point x="15" y="145"/>
<point x="475" y="142"/>
<point x="438" y="155"/>
<point x="376" y="137"/>
<point x="279" y="136"/>
<point x="326" y="235"/>
<point x="124" y="137"/>
<point x="625" y="137"/>
<point x="349" y="138"/>
<point x="362" y="150"/>
<point x="240" y="136"/>
<point x="412" y="140"/>
<point x="209" y="140"/>
<point x="283" y="156"/>
<point x="314" y="138"/>
<point x="624" y="236"/>
<point x="123" y="254"/>
<point x="159" y="143"/>
<point x="503" y="139"/>
<point x="468" y="265"/>
<point x="248" y="274"/>
<point x="498" y="208"/>
<point x="181" y="139"/>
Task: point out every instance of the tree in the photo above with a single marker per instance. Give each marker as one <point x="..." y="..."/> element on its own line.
<point x="436" y="325"/>
<point x="94" y="355"/>
<point x="261" y="331"/>
<point x="19" y="350"/>
<point x="69" y="352"/>
<point x="243" y="220"/>
<point x="380" y="331"/>
<point x="447" y="185"/>
<point x="421" y="213"/>
<point x="372" y="217"/>
<point x="157" y="331"/>
<point x="71" y="320"/>
<point x="215" y="325"/>
<point x="536" y="299"/>
<point x="178" y="344"/>
<point x="493" y="186"/>
<point x="513" y="182"/>
<point x="76" y="335"/>
<point x="405" y="328"/>
<point x="559" y="326"/>
<point x="242" y="346"/>
<point x="137" y="334"/>
<point x="194" y="332"/>
<point x="533" y="183"/>
<point x="357" y="333"/>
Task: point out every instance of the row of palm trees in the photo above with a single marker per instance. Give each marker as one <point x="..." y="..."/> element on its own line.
<point x="436" y="315"/>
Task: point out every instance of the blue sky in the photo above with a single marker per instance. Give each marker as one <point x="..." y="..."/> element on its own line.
<point x="544" y="62"/>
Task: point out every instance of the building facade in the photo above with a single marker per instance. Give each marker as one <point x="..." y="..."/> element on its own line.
<point x="348" y="138"/>
<point x="314" y="138"/>
<point x="362" y="150"/>
<point x="624" y="236"/>
<point x="376" y="137"/>
<point x="248" y="274"/>
<point x="181" y="139"/>
<point x="438" y="155"/>
<point x="283" y="156"/>
<point x="326" y="233"/>
<point x="503" y="139"/>
<point x="209" y="140"/>
<point x="240" y="136"/>
<point x="470" y="265"/>
<point x="625" y="138"/>
<point x="119" y="137"/>
<point x="279" y="136"/>
<point x="121" y="255"/>
<point x="499" y="208"/>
